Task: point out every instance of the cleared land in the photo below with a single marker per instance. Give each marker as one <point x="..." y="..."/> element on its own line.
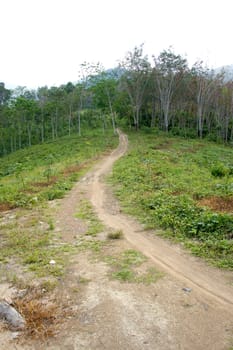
<point x="133" y="293"/>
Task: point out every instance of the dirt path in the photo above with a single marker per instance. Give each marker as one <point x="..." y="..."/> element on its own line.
<point x="192" y="272"/>
<point x="109" y="314"/>
<point x="127" y="316"/>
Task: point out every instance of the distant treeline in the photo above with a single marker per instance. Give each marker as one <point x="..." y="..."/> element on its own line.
<point x="166" y="94"/>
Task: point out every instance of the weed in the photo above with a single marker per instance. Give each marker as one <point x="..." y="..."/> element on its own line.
<point x="40" y="318"/>
<point x="124" y="275"/>
<point x="49" y="285"/>
<point x="124" y="265"/>
<point x="83" y="280"/>
<point x="219" y="170"/>
<point x="115" y="235"/>
<point x="86" y="213"/>
<point x="151" y="276"/>
<point x="93" y="245"/>
<point x="51" y="225"/>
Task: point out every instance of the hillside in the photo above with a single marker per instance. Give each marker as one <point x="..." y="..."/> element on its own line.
<point x="184" y="187"/>
<point x="45" y="172"/>
<point x="228" y="71"/>
<point x="69" y="261"/>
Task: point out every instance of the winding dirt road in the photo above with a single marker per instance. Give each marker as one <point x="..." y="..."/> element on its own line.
<point x="189" y="308"/>
<point x="192" y="272"/>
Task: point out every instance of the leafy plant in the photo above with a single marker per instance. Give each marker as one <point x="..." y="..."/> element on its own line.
<point x="219" y="170"/>
<point x="167" y="179"/>
<point x="47" y="171"/>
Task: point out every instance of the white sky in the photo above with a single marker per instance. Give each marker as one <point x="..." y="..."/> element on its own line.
<point x="43" y="42"/>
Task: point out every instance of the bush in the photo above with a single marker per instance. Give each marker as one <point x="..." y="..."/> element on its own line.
<point x="219" y="170"/>
<point x="115" y="235"/>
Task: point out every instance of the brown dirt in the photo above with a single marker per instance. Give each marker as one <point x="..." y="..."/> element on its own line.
<point x="51" y="181"/>
<point x="164" y="145"/>
<point x="73" y="169"/>
<point x="218" y="203"/>
<point x="107" y="314"/>
<point x="5" y="207"/>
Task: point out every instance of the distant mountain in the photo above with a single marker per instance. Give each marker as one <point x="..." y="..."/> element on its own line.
<point x="228" y="70"/>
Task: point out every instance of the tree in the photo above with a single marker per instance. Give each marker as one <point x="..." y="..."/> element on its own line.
<point x="5" y="94"/>
<point x="136" y="69"/>
<point x="168" y="72"/>
<point x="205" y="80"/>
<point x="25" y="110"/>
<point x="105" y="93"/>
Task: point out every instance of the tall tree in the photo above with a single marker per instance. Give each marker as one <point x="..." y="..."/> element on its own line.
<point x="169" y="70"/>
<point x="136" y="69"/>
<point x="105" y="93"/>
<point x="205" y="80"/>
<point x="4" y="94"/>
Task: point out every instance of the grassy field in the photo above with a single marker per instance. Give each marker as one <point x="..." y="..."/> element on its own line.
<point x="45" y="172"/>
<point x="29" y="178"/>
<point x="184" y="187"/>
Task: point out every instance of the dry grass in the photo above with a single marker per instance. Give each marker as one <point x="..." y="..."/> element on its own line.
<point x="74" y="169"/>
<point x="42" y="316"/>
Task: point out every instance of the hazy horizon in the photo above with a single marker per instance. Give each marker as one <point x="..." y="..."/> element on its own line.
<point x="45" y="41"/>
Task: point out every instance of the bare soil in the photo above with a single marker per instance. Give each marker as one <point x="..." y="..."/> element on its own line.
<point x="190" y="307"/>
<point x="218" y="203"/>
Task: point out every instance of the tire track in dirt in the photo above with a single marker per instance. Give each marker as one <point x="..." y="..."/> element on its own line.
<point x="213" y="283"/>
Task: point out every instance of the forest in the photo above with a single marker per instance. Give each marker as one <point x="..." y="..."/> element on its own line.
<point x="163" y="93"/>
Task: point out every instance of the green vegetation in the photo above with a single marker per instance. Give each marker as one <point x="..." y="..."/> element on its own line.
<point x="124" y="268"/>
<point x="140" y="93"/>
<point x="94" y="225"/>
<point x="28" y="179"/>
<point x="118" y="234"/>
<point x="172" y="185"/>
<point x="32" y="245"/>
<point x="94" y="245"/>
<point x="46" y="172"/>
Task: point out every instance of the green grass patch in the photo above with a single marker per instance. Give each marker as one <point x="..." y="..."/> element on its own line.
<point x="28" y="179"/>
<point x="124" y="265"/>
<point x="164" y="181"/>
<point x="45" y="172"/>
<point x="93" y="245"/>
<point x="86" y="213"/>
<point x="30" y="245"/>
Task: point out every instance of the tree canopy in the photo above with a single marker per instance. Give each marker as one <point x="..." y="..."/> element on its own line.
<point x="167" y="94"/>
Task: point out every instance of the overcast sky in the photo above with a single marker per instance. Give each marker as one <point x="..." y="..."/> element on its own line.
<point x="43" y="42"/>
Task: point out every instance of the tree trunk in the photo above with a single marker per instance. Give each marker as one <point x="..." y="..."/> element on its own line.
<point x="42" y="127"/>
<point x="111" y="112"/>
<point x="153" y="114"/>
<point x="199" y="122"/>
<point x="69" y="120"/>
<point x="79" y="122"/>
<point x="52" y="125"/>
<point x="137" y="118"/>
<point x="19" y="137"/>
<point x="29" y="134"/>
<point x="56" y="123"/>
<point x="166" y="119"/>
